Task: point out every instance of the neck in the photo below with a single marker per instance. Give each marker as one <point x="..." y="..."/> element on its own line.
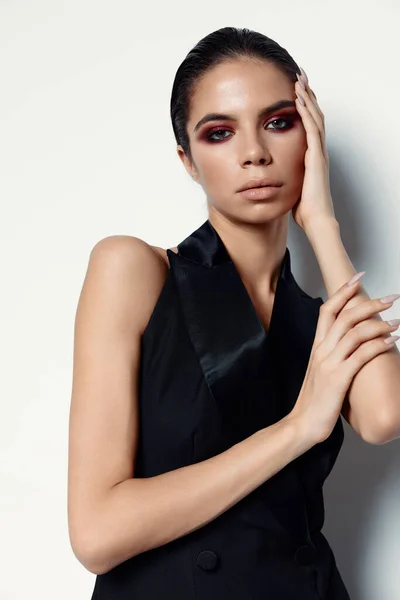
<point x="257" y="250"/>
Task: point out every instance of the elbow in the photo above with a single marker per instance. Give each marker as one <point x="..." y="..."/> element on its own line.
<point x="90" y="558"/>
<point x="383" y="431"/>
<point x="87" y="552"/>
<point x="86" y="557"/>
<point x="98" y="558"/>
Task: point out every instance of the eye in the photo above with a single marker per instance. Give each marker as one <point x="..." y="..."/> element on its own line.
<point x="286" y="119"/>
<point x="211" y="139"/>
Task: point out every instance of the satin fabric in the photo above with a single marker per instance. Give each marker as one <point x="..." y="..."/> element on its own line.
<point x="211" y="376"/>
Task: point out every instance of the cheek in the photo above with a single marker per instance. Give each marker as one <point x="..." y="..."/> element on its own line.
<point x="293" y="154"/>
<point x="216" y="168"/>
<point x="291" y="161"/>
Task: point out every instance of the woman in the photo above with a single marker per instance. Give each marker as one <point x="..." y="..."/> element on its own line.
<point x="208" y="387"/>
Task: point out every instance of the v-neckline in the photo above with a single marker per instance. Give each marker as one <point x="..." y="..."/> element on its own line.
<point x="209" y="250"/>
<point x="252" y="373"/>
<point x="274" y="302"/>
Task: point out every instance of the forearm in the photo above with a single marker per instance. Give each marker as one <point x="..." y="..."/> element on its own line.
<point x="140" y="514"/>
<point x="333" y="260"/>
<point x="373" y="407"/>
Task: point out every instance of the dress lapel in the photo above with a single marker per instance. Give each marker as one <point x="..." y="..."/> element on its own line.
<point x="254" y="376"/>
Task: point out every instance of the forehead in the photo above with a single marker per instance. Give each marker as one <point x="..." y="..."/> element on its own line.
<point x="239" y="85"/>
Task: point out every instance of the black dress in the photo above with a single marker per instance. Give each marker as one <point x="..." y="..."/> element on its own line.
<point x="210" y="376"/>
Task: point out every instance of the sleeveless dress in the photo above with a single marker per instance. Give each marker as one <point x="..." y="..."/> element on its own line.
<point x="211" y="376"/>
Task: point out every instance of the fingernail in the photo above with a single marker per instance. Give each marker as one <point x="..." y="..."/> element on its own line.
<point x="393" y="322"/>
<point x="356" y="277"/>
<point x="391" y="339"/>
<point x="304" y="74"/>
<point x="300" y="99"/>
<point x="301" y="82"/>
<point x="388" y="299"/>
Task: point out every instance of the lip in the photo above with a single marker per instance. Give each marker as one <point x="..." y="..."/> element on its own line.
<point x="260" y="193"/>
<point x="260" y="182"/>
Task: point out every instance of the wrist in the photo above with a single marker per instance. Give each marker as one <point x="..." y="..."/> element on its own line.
<point x="301" y="434"/>
<point x="320" y="226"/>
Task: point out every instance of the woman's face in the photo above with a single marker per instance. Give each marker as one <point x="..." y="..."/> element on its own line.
<point x="227" y="152"/>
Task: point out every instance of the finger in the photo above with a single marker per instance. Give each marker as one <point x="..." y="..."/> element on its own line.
<point x="364" y="353"/>
<point x="315" y="101"/>
<point x="332" y="307"/>
<point x="312" y="106"/>
<point x="355" y="322"/>
<point x="314" y="141"/>
<point x="354" y="319"/>
<point x="369" y="330"/>
<point x="313" y="97"/>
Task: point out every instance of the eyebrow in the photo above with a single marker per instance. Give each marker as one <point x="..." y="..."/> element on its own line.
<point x="264" y="111"/>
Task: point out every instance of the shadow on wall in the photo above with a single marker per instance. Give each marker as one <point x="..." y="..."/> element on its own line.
<point x="362" y="523"/>
<point x="362" y="493"/>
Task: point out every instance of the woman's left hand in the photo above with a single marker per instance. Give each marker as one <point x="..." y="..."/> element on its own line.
<point x="315" y="200"/>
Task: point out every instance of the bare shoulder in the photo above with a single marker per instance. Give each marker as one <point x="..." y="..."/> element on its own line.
<point x="122" y="282"/>
<point x="133" y="271"/>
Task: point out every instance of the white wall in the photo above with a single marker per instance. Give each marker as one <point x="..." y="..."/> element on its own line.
<point x="84" y="125"/>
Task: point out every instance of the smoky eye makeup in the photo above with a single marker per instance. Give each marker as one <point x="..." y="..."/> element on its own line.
<point x="219" y="133"/>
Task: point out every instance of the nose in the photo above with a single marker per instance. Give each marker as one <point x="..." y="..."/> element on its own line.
<point x="254" y="152"/>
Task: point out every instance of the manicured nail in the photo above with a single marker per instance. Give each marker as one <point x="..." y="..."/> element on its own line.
<point x="304" y="74"/>
<point x="301" y="82"/>
<point x="391" y="339"/>
<point x="393" y="322"/>
<point x="300" y="99"/>
<point x="389" y="299"/>
<point x="355" y="278"/>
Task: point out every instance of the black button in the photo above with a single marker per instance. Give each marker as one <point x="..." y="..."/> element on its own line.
<point x="305" y="555"/>
<point x="207" y="560"/>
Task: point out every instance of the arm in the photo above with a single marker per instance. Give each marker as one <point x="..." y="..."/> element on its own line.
<point x="372" y="405"/>
<point x="112" y="515"/>
<point x="139" y="514"/>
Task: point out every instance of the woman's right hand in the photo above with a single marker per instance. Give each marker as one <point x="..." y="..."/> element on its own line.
<point x="345" y="340"/>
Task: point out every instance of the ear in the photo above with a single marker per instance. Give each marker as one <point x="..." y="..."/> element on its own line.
<point x="189" y="166"/>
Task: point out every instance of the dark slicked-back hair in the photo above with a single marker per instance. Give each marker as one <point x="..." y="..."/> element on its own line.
<point x="228" y="43"/>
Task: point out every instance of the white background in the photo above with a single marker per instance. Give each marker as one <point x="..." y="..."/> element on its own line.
<point x="87" y="151"/>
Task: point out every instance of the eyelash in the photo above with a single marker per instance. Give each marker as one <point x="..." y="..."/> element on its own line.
<point x="288" y="119"/>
